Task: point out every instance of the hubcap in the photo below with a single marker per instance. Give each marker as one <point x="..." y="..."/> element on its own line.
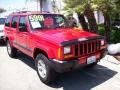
<point x="8" y="48"/>
<point x="41" y="68"/>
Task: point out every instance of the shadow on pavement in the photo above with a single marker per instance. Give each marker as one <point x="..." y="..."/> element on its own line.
<point x="2" y="44"/>
<point x="26" y="59"/>
<point x="83" y="79"/>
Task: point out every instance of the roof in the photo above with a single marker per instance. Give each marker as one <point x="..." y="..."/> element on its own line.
<point x="29" y="13"/>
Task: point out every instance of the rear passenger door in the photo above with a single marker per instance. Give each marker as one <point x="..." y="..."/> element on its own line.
<point x="12" y="30"/>
<point x="22" y="34"/>
<point x="7" y="26"/>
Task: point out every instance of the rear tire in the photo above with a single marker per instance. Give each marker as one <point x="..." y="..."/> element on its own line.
<point x="12" y="52"/>
<point x="45" y="72"/>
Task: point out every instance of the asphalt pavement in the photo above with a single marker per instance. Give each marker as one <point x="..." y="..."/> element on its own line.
<point x="20" y="74"/>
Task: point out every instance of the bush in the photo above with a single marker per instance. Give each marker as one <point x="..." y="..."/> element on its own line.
<point x="101" y="29"/>
<point x="115" y="33"/>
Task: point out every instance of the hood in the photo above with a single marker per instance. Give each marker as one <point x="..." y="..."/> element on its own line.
<point x="63" y="35"/>
<point x="1" y="27"/>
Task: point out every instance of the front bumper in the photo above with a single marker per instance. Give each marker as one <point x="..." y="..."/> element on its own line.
<point x="63" y="66"/>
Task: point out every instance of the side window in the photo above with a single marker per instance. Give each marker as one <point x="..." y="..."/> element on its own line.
<point x="7" y="21"/>
<point x="14" y="22"/>
<point x="22" y="24"/>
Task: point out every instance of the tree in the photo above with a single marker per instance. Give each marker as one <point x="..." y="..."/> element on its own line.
<point x="74" y="6"/>
<point x="54" y="6"/>
<point x="109" y="8"/>
<point x="83" y="7"/>
<point x="89" y="13"/>
<point x="117" y="9"/>
<point x="40" y="2"/>
<point x="83" y="22"/>
<point x="2" y="10"/>
<point x="41" y="5"/>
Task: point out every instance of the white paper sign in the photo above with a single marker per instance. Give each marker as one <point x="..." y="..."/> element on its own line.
<point x="36" y="24"/>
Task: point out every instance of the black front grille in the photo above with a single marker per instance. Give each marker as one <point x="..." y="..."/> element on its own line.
<point x="87" y="47"/>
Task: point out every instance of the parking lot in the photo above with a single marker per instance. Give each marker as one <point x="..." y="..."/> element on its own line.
<point x="20" y="74"/>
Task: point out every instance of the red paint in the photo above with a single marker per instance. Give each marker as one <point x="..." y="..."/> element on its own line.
<point x="47" y="40"/>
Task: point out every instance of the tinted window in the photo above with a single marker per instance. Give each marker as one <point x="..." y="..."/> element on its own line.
<point x="47" y="21"/>
<point x="7" y="21"/>
<point x="14" y="22"/>
<point x="22" y="21"/>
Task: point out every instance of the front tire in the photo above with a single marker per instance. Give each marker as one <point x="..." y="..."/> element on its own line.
<point x="45" y="72"/>
<point x="12" y="52"/>
<point x="92" y="65"/>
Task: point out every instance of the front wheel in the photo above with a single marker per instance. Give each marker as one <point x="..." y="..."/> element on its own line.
<point x="92" y="65"/>
<point x="11" y="50"/>
<point x="45" y="72"/>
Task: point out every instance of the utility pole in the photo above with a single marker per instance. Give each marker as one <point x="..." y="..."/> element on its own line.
<point x="41" y="5"/>
<point x="37" y="5"/>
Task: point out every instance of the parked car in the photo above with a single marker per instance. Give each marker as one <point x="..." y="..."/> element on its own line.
<point x="55" y="47"/>
<point x="2" y="21"/>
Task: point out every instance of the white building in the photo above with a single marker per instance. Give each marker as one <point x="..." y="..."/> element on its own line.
<point x="44" y="5"/>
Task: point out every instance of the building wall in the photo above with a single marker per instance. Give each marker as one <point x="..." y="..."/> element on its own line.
<point x="47" y="6"/>
<point x="99" y="17"/>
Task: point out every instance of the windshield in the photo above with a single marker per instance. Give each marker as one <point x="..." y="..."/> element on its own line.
<point x="47" y="21"/>
<point x="2" y="20"/>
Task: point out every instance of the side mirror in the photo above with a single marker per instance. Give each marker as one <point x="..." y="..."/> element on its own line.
<point x="22" y="28"/>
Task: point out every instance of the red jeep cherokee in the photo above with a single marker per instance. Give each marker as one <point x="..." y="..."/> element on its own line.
<point x="53" y="45"/>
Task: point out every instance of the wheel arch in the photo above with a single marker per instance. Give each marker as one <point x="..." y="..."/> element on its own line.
<point x="6" y="38"/>
<point x="37" y="51"/>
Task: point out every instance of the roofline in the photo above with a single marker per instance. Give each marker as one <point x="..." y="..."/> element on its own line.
<point x="30" y="13"/>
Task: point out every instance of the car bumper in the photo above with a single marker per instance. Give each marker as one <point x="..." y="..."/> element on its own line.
<point x="64" y="66"/>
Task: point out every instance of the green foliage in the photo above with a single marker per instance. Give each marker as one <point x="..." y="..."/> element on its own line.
<point x="115" y="33"/>
<point x="112" y="7"/>
<point x="75" y="5"/>
<point x="109" y="8"/>
<point x="101" y="29"/>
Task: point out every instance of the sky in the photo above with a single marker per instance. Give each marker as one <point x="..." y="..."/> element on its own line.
<point x="12" y="4"/>
<point x="16" y="5"/>
<point x="22" y="5"/>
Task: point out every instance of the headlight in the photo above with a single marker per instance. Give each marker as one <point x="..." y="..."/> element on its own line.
<point x="102" y="42"/>
<point x="67" y="50"/>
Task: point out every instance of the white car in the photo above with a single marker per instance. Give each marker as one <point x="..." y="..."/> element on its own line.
<point x="2" y="21"/>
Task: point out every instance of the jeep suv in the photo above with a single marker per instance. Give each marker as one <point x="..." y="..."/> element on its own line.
<point x="55" y="47"/>
<point x="2" y="21"/>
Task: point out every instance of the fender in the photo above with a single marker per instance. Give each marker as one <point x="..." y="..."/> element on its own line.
<point x="46" y="49"/>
